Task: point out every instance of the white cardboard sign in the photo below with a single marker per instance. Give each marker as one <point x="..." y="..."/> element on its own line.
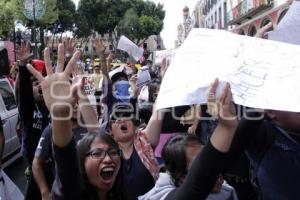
<point x="132" y="49"/>
<point x="262" y="73"/>
<point x="143" y="77"/>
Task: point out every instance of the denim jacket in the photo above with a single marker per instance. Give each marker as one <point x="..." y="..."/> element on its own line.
<point x="277" y="172"/>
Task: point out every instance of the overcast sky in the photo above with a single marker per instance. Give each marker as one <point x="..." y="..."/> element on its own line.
<point x="173" y="17"/>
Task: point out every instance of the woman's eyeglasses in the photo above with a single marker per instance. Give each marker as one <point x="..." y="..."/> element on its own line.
<point x="99" y="154"/>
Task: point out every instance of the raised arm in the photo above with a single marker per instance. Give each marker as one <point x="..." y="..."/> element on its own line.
<point x="100" y="50"/>
<point x="211" y="160"/>
<point x="26" y="100"/>
<point x="59" y="100"/>
<point x="224" y="110"/>
<point x="154" y="126"/>
<point x="57" y="94"/>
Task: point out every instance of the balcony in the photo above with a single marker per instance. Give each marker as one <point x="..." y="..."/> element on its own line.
<point x="246" y="9"/>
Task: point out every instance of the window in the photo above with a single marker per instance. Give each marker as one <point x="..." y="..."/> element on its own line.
<point x="252" y="30"/>
<point x="265" y="22"/>
<point x="225" y="15"/>
<point x="242" y="32"/>
<point x="282" y="14"/>
<point x="7" y="95"/>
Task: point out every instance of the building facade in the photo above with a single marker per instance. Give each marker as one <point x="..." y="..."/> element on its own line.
<point x="247" y="16"/>
<point x="214" y="13"/>
<point x="244" y="17"/>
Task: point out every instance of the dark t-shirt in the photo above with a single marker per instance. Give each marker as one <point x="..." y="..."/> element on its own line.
<point x="35" y="117"/>
<point x="44" y="148"/>
<point x="137" y="179"/>
<point x="296" y="138"/>
<point x="32" y="132"/>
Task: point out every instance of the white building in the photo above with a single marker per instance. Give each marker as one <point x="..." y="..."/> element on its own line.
<point x="215" y="12"/>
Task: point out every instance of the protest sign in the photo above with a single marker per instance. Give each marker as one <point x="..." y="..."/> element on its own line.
<point x="143" y="77"/>
<point x="289" y="27"/>
<point x="160" y="55"/>
<point x="132" y="49"/>
<point x="88" y="85"/>
<point x="262" y="73"/>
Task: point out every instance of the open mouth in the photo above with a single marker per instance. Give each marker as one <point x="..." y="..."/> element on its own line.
<point x="107" y="173"/>
<point x="124" y="128"/>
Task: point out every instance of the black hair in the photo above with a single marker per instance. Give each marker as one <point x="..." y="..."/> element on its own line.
<point x="153" y="86"/>
<point x="174" y="155"/>
<point x="117" y="192"/>
<point x="118" y="76"/>
<point x="124" y="110"/>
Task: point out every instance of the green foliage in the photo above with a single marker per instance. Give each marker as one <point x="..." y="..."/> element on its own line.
<point x="66" y="14"/>
<point x="150" y="20"/>
<point x="51" y="13"/>
<point x="137" y="19"/>
<point x="98" y="15"/>
<point x="148" y="25"/>
<point x="129" y="25"/>
<point x="61" y="11"/>
<point x="50" y="16"/>
<point x="7" y="17"/>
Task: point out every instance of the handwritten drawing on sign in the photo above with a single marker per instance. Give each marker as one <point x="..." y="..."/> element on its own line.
<point x="132" y="49"/>
<point x="248" y="79"/>
<point x="262" y="73"/>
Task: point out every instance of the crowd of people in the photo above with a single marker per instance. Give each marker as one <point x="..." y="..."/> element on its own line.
<point x="121" y="147"/>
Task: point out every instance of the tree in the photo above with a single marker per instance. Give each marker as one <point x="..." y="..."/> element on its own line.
<point x="148" y="26"/>
<point x="7" y="17"/>
<point x="129" y="25"/>
<point x="49" y="17"/>
<point x="150" y="20"/>
<point x="98" y="15"/>
<point x="137" y="19"/>
<point x="66" y="14"/>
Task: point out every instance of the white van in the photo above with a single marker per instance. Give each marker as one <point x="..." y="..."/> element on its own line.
<point x="9" y="116"/>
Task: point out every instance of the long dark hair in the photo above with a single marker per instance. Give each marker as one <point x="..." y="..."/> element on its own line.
<point x="117" y="192"/>
<point x="174" y="155"/>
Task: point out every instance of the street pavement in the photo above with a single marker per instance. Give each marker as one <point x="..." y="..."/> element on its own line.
<point x="15" y="171"/>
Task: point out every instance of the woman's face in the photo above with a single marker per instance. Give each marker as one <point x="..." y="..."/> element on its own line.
<point x="123" y="130"/>
<point x="103" y="165"/>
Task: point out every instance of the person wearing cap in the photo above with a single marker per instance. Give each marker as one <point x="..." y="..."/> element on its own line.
<point x="33" y="113"/>
<point x="115" y="85"/>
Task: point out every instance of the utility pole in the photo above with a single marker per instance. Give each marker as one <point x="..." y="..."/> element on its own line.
<point x="34" y="30"/>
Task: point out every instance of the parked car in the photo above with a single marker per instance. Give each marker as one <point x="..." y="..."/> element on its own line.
<point x="9" y="115"/>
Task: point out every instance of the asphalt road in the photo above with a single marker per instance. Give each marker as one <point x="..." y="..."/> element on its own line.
<point x="16" y="173"/>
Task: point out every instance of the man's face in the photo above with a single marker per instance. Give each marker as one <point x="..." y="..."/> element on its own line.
<point x="37" y="91"/>
<point x="123" y="130"/>
<point x="290" y="121"/>
<point x="97" y="70"/>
